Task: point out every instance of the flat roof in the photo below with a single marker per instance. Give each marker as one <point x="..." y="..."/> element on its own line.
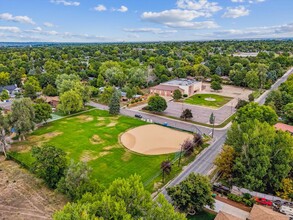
<point x="166" y="87"/>
<point x="180" y="82"/>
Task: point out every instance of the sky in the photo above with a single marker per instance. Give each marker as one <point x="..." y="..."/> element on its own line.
<point x="143" y="20"/>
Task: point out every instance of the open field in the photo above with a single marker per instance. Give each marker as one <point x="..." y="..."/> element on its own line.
<point x="23" y="196"/>
<point x="154" y="139"/>
<point x="209" y="100"/>
<point x="92" y="137"/>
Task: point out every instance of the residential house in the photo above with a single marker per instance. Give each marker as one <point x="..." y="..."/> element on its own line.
<point x="11" y="89"/>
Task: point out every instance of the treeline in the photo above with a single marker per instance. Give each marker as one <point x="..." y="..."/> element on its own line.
<point x="257" y="156"/>
<point x="141" y="65"/>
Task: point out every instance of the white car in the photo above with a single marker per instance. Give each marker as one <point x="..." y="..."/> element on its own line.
<point x="287" y="211"/>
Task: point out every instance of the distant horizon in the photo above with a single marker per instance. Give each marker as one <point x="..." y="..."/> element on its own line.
<point x="83" y="21"/>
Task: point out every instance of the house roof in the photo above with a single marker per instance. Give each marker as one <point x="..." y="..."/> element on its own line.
<point x="226" y="216"/>
<point x="259" y="212"/>
<point x="50" y="98"/>
<point x="9" y="88"/>
<point x="166" y="87"/>
<point x="180" y="82"/>
<point x="284" y="127"/>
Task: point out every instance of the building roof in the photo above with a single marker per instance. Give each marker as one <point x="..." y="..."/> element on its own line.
<point x="50" y="98"/>
<point x="166" y="87"/>
<point x="226" y="216"/>
<point x="284" y="127"/>
<point x="259" y="212"/>
<point x="9" y="88"/>
<point x="180" y="82"/>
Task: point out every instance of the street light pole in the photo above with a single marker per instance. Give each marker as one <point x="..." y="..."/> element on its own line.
<point x="214" y="118"/>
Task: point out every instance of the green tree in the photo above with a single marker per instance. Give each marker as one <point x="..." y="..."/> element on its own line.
<point x="106" y="95"/>
<point x="253" y="111"/>
<point x="4" y="132"/>
<point x="192" y="194"/>
<point x="70" y="102"/>
<point x="215" y="85"/>
<point x="4" y="95"/>
<point x="100" y="81"/>
<point x="22" y="116"/>
<point x="43" y="112"/>
<point x="212" y="118"/>
<point x="201" y="70"/>
<point x="186" y="114"/>
<point x="252" y="80"/>
<point x="66" y="82"/>
<point x="225" y="161"/>
<point x="157" y="103"/>
<point x="50" y="90"/>
<point x="263" y="157"/>
<point x="50" y="164"/>
<point x="31" y="87"/>
<point x="114" y="105"/>
<point x="123" y="199"/>
<point x="77" y="181"/>
<point x="4" y="78"/>
<point x="177" y="94"/>
<point x="288" y="113"/>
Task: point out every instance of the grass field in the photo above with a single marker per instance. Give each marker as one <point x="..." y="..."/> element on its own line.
<point x="202" y="216"/>
<point x="93" y="137"/>
<point x="200" y="99"/>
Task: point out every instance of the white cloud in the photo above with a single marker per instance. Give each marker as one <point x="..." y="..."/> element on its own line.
<point x="9" y="29"/>
<point x="122" y="9"/>
<point x="208" y="8"/>
<point x="48" y="24"/>
<point x="177" y="18"/>
<point x="65" y="3"/>
<point x="100" y="8"/>
<point x="249" y="1"/>
<point x="149" y="30"/>
<point x="236" y="12"/>
<point x="278" y="31"/>
<point x="20" y="19"/>
<point x="185" y="14"/>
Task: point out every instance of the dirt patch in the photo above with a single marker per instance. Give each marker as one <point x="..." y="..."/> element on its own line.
<point x="111" y="147"/>
<point x="85" y="118"/>
<point x="112" y="124"/>
<point x="95" y="139"/>
<point x="88" y="155"/>
<point x="25" y="197"/>
<point x="154" y="139"/>
<point x="126" y="156"/>
<point x="44" y="137"/>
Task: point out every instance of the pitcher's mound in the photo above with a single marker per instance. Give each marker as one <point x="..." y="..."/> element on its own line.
<point x="154" y="139"/>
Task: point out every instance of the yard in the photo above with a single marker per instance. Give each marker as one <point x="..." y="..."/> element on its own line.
<point x="210" y="100"/>
<point x="202" y="216"/>
<point x="92" y="137"/>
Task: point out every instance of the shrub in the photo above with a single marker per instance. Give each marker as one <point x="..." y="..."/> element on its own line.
<point x="185" y="95"/>
<point x="234" y="197"/>
<point x="246" y="196"/>
<point x="247" y="202"/>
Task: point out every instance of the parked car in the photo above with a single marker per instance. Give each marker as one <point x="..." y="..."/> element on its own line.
<point x="263" y="201"/>
<point x="217" y="187"/>
<point x="287" y="211"/>
<point x="138" y="116"/>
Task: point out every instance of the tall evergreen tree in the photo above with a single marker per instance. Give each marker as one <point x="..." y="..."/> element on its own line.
<point x="114" y="106"/>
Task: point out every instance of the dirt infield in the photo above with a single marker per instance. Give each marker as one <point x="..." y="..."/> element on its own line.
<point x="22" y="196"/>
<point x="154" y="139"/>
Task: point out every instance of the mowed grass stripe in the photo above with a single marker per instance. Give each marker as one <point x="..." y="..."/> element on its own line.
<point x="93" y="137"/>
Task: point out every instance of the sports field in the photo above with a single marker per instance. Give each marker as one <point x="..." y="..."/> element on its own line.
<point x="210" y="100"/>
<point x="93" y="137"/>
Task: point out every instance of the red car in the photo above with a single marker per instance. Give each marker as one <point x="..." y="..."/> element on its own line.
<point x="264" y="201"/>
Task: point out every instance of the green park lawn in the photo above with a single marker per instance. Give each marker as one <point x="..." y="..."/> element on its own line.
<point x="93" y="137"/>
<point x="200" y="99"/>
